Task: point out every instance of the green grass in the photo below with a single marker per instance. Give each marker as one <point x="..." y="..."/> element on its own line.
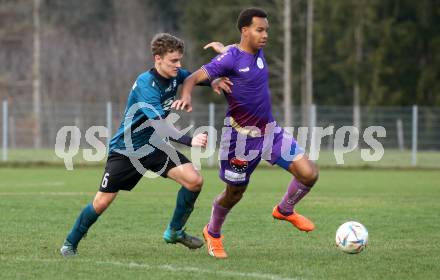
<point x="401" y="210"/>
<point x="391" y="159"/>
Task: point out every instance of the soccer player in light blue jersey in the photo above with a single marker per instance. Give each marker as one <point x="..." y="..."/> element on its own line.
<point x="140" y="144"/>
<point x="250" y="126"/>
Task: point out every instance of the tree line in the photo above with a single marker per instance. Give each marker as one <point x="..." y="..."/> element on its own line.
<point x="381" y="52"/>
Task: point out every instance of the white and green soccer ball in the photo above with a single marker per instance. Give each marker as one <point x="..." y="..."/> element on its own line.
<point x="352" y="237"/>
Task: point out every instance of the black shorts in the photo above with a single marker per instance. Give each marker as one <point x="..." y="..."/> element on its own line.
<point x="121" y="174"/>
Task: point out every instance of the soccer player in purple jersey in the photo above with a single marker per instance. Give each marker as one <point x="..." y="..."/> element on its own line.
<point x="250" y="133"/>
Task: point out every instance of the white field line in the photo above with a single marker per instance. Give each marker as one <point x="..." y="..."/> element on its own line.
<point x="45" y="193"/>
<point x="164" y="267"/>
<point x="40" y="184"/>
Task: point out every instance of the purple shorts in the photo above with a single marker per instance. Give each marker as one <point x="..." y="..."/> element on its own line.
<point x="240" y="153"/>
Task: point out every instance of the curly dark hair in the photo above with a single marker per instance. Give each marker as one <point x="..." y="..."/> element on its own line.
<point x="164" y="43"/>
<point x="245" y="17"/>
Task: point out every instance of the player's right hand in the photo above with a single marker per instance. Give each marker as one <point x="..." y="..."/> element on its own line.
<point x="182" y="104"/>
<point x="200" y="140"/>
<point x="222" y="84"/>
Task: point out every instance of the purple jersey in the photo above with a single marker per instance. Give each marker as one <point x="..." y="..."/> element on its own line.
<point x="249" y="104"/>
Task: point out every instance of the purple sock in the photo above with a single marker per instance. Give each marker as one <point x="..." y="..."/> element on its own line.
<point x="295" y="192"/>
<point x="218" y="216"/>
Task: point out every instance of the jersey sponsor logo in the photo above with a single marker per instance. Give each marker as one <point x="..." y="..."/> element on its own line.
<point x="167" y="104"/>
<point x="260" y="63"/>
<point x="235" y="177"/>
<point x="172" y="86"/>
<point x="239" y="165"/>
<point x="244" y="69"/>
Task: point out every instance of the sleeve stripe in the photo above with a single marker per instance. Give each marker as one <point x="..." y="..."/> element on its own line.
<point x="206" y="72"/>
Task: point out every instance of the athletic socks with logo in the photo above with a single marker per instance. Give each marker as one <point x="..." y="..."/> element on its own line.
<point x="218" y="216"/>
<point x="295" y="192"/>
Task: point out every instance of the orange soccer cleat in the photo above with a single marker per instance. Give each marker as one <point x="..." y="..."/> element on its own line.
<point x="297" y="220"/>
<point x="214" y="245"/>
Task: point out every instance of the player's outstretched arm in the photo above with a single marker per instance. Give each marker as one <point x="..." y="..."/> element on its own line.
<point x="184" y="103"/>
<point x="217" y="47"/>
<point x="164" y="129"/>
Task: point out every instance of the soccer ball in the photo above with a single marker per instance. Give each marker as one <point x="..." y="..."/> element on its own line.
<point x="352" y="237"/>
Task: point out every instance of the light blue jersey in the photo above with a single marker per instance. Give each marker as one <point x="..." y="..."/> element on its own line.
<point x="153" y="96"/>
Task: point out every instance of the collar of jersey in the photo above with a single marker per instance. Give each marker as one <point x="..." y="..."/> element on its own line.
<point x="237" y="46"/>
<point x="161" y="81"/>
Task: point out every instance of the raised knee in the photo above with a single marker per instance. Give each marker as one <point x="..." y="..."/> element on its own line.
<point x="310" y="176"/>
<point x="195" y="183"/>
<point x="236" y="195"/>
<point x="100" y="205"/>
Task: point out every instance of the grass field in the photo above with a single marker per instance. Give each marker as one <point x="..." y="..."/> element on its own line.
<point x="401" y="210"/>
<point x="392" y="158"/>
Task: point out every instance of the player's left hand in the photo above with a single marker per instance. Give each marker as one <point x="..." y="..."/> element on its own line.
<point x="200" y="140"/>
<point x="221" y="84"/>
<point x="217" y="47"/>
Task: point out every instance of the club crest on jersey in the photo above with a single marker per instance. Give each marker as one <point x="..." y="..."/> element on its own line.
<point x="172" y="86"/>
<point x="239" y="165"/>
<point x="260" y="63"/>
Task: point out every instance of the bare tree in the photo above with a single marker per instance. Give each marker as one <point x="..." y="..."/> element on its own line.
<point x="36" y="77"/>
<point x="287" y="89"/>
<point x="358" y="38"/>
<point x="307" y="97"/>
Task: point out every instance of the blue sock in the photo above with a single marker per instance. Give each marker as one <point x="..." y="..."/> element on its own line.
<point x="84" y="221"/>
<point x="184" y="207"/>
